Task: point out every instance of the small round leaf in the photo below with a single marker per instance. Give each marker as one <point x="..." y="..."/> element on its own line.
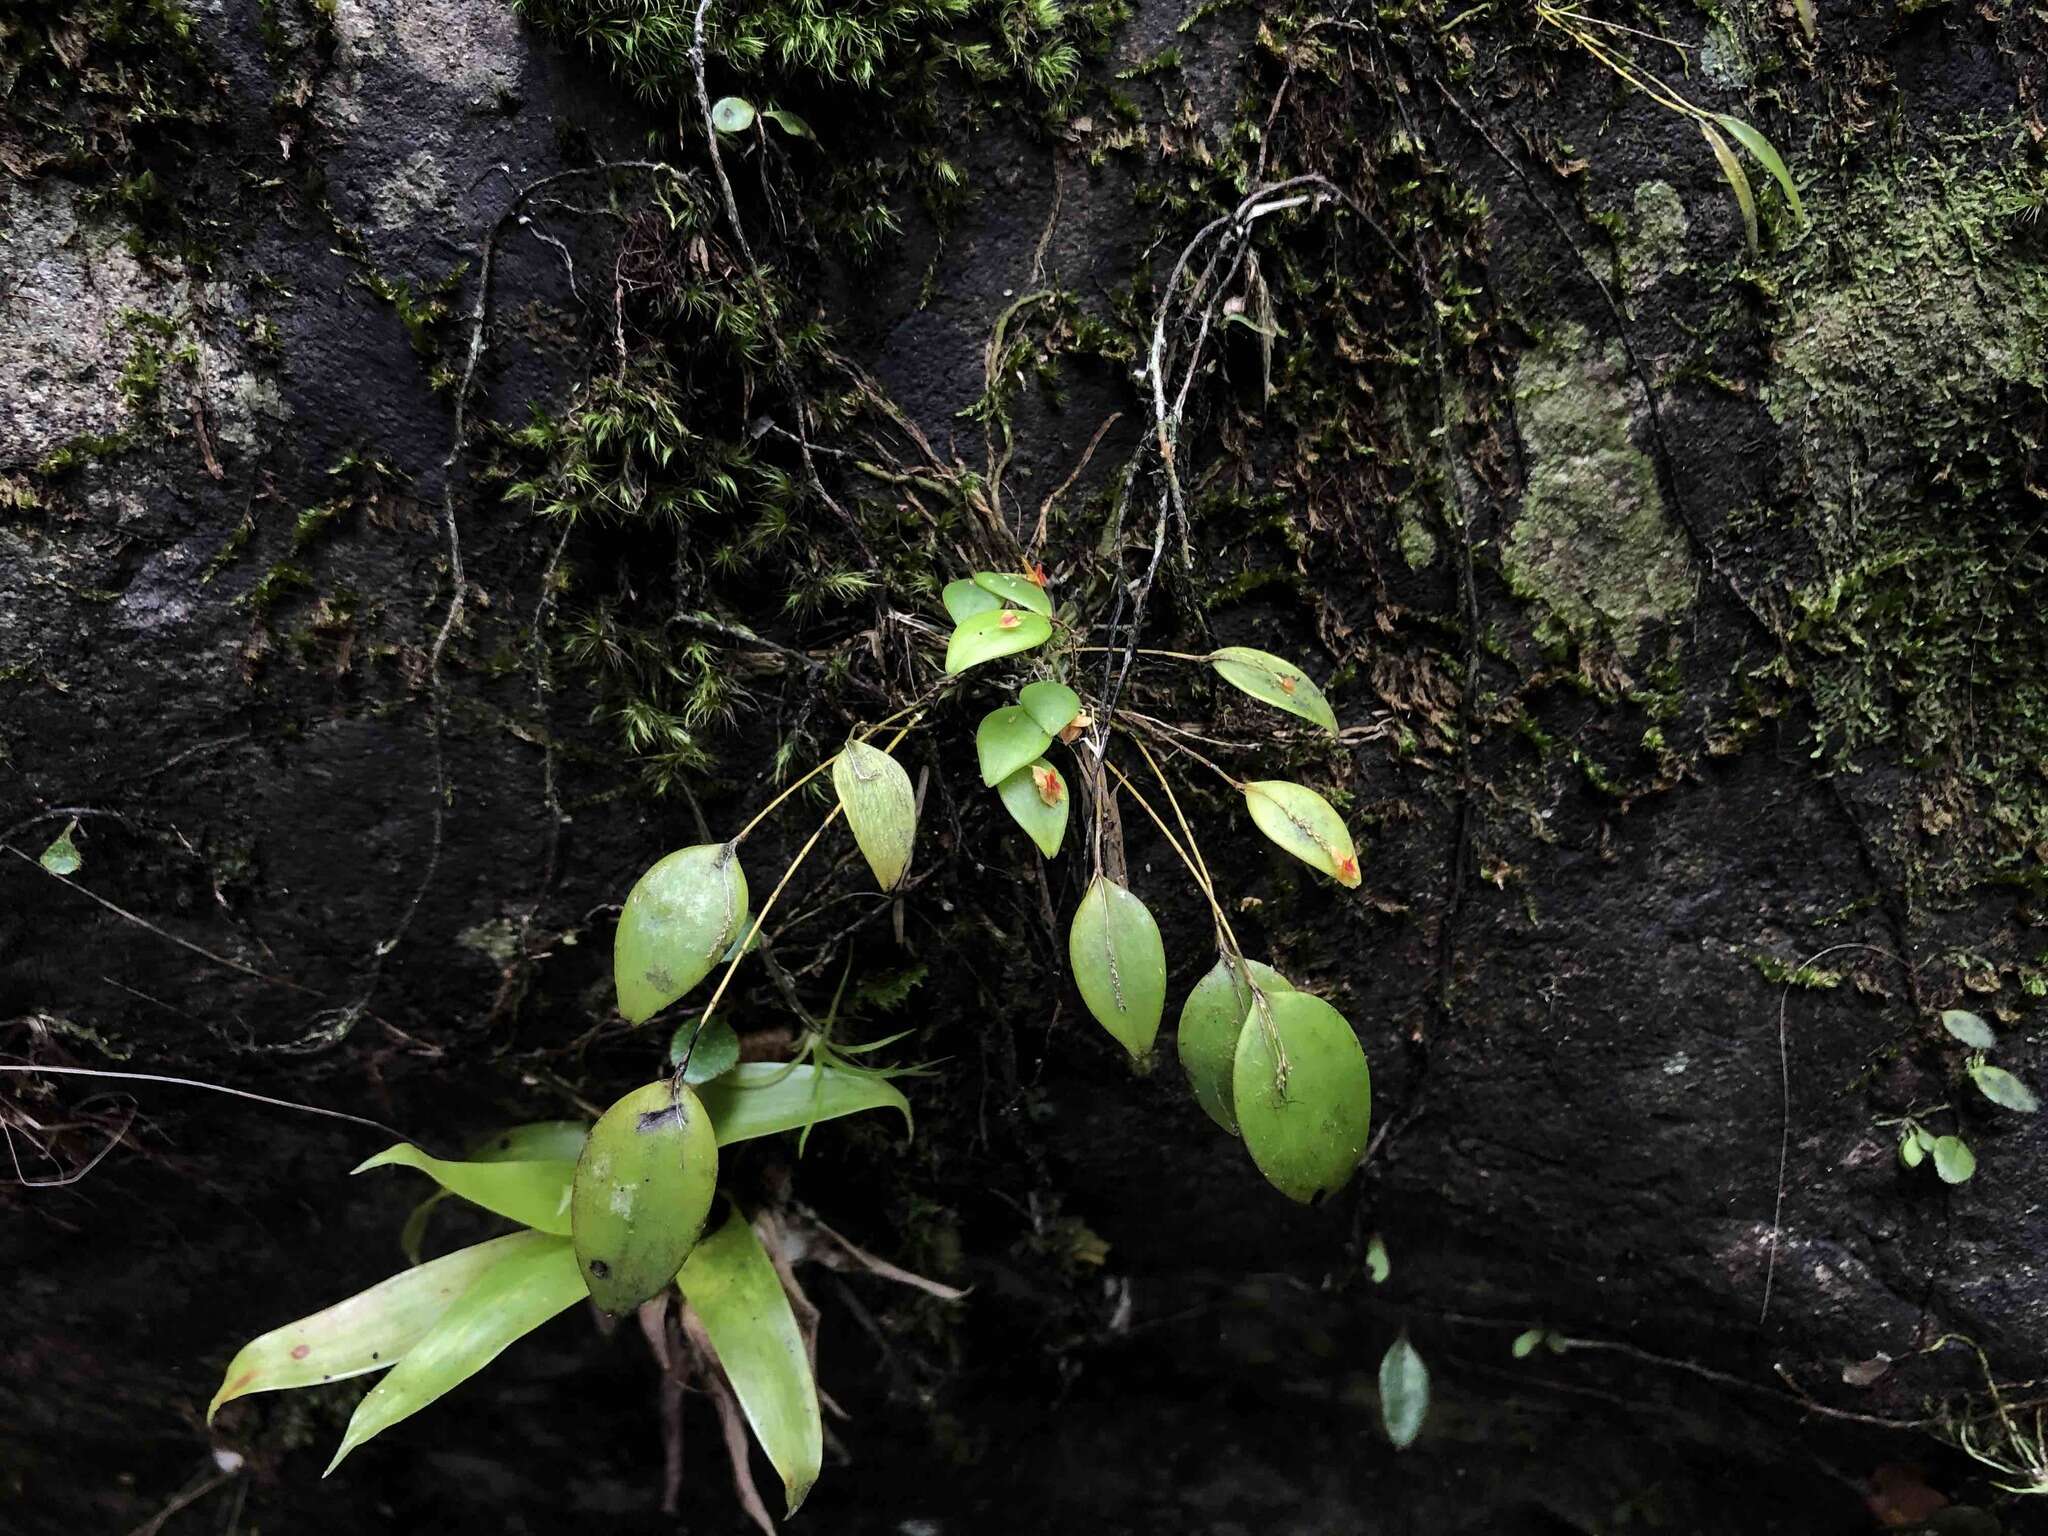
<point x="1008" y="739"/>
<point x="963" y="600"/>
<point x="993" y="635"/>
<point x="1954" y="1160"/>
<point x="732" y="114"/>
<point x="716" y="1050"/>
<point x="1019" y="591"/>
<point x="1036" y="798"/>
<point x="1119" y="964"/>
<point x="1404" y="1393"/>
<point x="1052" y="705"/>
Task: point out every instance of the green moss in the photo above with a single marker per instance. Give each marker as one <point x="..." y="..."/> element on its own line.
<point x="1653" y="238"/>
<point x="1911" y="381"/>
<point x="1593" y="542"/>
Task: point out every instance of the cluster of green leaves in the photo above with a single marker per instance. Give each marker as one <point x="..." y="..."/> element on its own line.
<point x="1951" y="1155"/>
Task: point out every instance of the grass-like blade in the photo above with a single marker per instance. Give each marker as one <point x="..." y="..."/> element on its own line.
<point x="761" y="1098"/>
<point x="1738" y="179"/>
<point x="533" y="1193"/>
<point x="1767" y="156"/>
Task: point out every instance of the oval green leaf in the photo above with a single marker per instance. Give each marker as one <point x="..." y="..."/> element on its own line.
<point x="1526" y="1343"/>
<point x="733" y="1288"/>
<point x="1036" y="798"/>
<point x="1306" y="825"/>
<point x="1017" y="591"/>
<point x="1273" y="681"/>
<point x="993" y="635"/>
<point x="62" y="856"/>
<point x="881" y="807"/>
<point x="1953" y="1159"/>
<point x="1052" y="705"/>
<point x="963" y="600"/>
<point x="508" y="1301"/>
<point x="679" y="918"/>
<point x="760" y="1098"/>
<point x="2004" y="1090"/>
<point x="1304" y="1114"/>
<point x="1969" y="1029"/>
<point x="1119" y="964"/>
<point x="533" y="1192"/>
<point x="1404" y="1393"/>
<point x="643" y="1187"/>
<point x="789" y="123"/>
<point x="370" y="1331"/>
<point x="1008" y="739"/>
<point x="732" y="114"/>
<point x="1911" y="1153"/>
<point x="1210" y="1022"/>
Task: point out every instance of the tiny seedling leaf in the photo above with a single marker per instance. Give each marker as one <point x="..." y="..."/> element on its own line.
<point x="963" y="600"/>
<point x="732" y="114"/>
<point x="1036" y="798"/>
<point x="62" y="857"/>
<point x="1738" y="180"/>
<point x="2003" y="1089"/>
<point x="881" y="808"/>
<point x="508" y="1301"/>
<point x="370" y="1331"/>
<point x="1969" y="1029"/>
<point x="1052" y="705"/>
<point x="1273" y="681"/>
<point x="1008" y="739"/>
<point x="1018" y="591"/>
<point x="789" y="123"/>
<point x="760" y="1098"/>
<point x="1306" y="825"/>
<point x="993" y="635"/>
<point x="715" y="1051"/>
<point x="1954" y="1160"/>
<point x="732" y="1286"/>
<point x="679" y="920"/>
<point x="533" y="1192"/>
<point x="1377" y="1264"/>
<point x="1119" y="964"/>
<point x="1526" y="1343"/>
<point x="644" y="1187"/>
<point x="1404" y="1393"/>
<point x="1304" y="1108"/>
<point x="1767" y="155"/>
<point x="1210" y="1022"/>
<point x="1911" y="1153"/>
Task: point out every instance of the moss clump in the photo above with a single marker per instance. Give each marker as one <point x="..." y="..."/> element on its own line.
<point x="1653" y="238"/>
<point x="1593" y="543"/>
<point x="1912" y="379"/>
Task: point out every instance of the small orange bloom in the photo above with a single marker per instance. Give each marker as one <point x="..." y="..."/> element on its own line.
<point x="1287" y="685"/>
<point x="1050" y="789"/>
<point x="1009" y="619"/>
<point x="1347" y="869"/>
<point x="1035" y="574"/>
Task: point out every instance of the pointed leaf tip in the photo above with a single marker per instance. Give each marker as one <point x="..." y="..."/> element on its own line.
<point x="881" y="808"/>
<point x="1272" y="680"/>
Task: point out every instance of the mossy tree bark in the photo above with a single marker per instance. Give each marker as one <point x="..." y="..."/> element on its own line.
<point x="422" y="508"/>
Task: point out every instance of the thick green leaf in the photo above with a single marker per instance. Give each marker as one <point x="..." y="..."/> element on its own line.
<point x="1527" y="1343"/>
<point x="1970" y="1029"/>
<point x="1036" y="798"/>
<point x="511" y="1299"/>
<point x="881" y="807"/>
<point x="736" y="1294"/>
<point x="1304" y="1118"/>
<point x="712" y="1051"/>
<point x="993" y="635"/>
<point x="1017" y="591"/>
<point x="62" y="856"/>
<point x="763" y="1097"/>
<point x="679" y="919"/>
<point x="1738" y="181"/>
<point x="370" y="1331"/>
<point x="963" y="600"/>
<point x="1273" y="681"/>
<point x="1953" y="1159"/>
<point x="1911" y="1153"/>
<point x="1052" y="705"/>
<point x="1119" y="964"/>
<point x="1306" y="825"/>
<point x="1767" y="155"/>
<point x="1210" y="1021"/>
<point x="644" y="1187"/>
<point x="1377" y="1263"/>
<point x="1404" y="1392"/>
<point x="732" y="114"/>
<point x="1008" y="739"/>
<point x="533" y="1192"/>
<point x="2002" y="1088"/>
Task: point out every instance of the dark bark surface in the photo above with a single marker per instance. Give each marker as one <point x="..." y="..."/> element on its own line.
<point x="1663" y="667"/>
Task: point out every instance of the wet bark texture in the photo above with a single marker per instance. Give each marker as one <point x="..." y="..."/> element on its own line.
<point x="1694" y="639"/>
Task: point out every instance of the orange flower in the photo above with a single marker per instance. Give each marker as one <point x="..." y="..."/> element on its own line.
<point x="1009" y="619"/>
<point x="1049" y="786"/>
